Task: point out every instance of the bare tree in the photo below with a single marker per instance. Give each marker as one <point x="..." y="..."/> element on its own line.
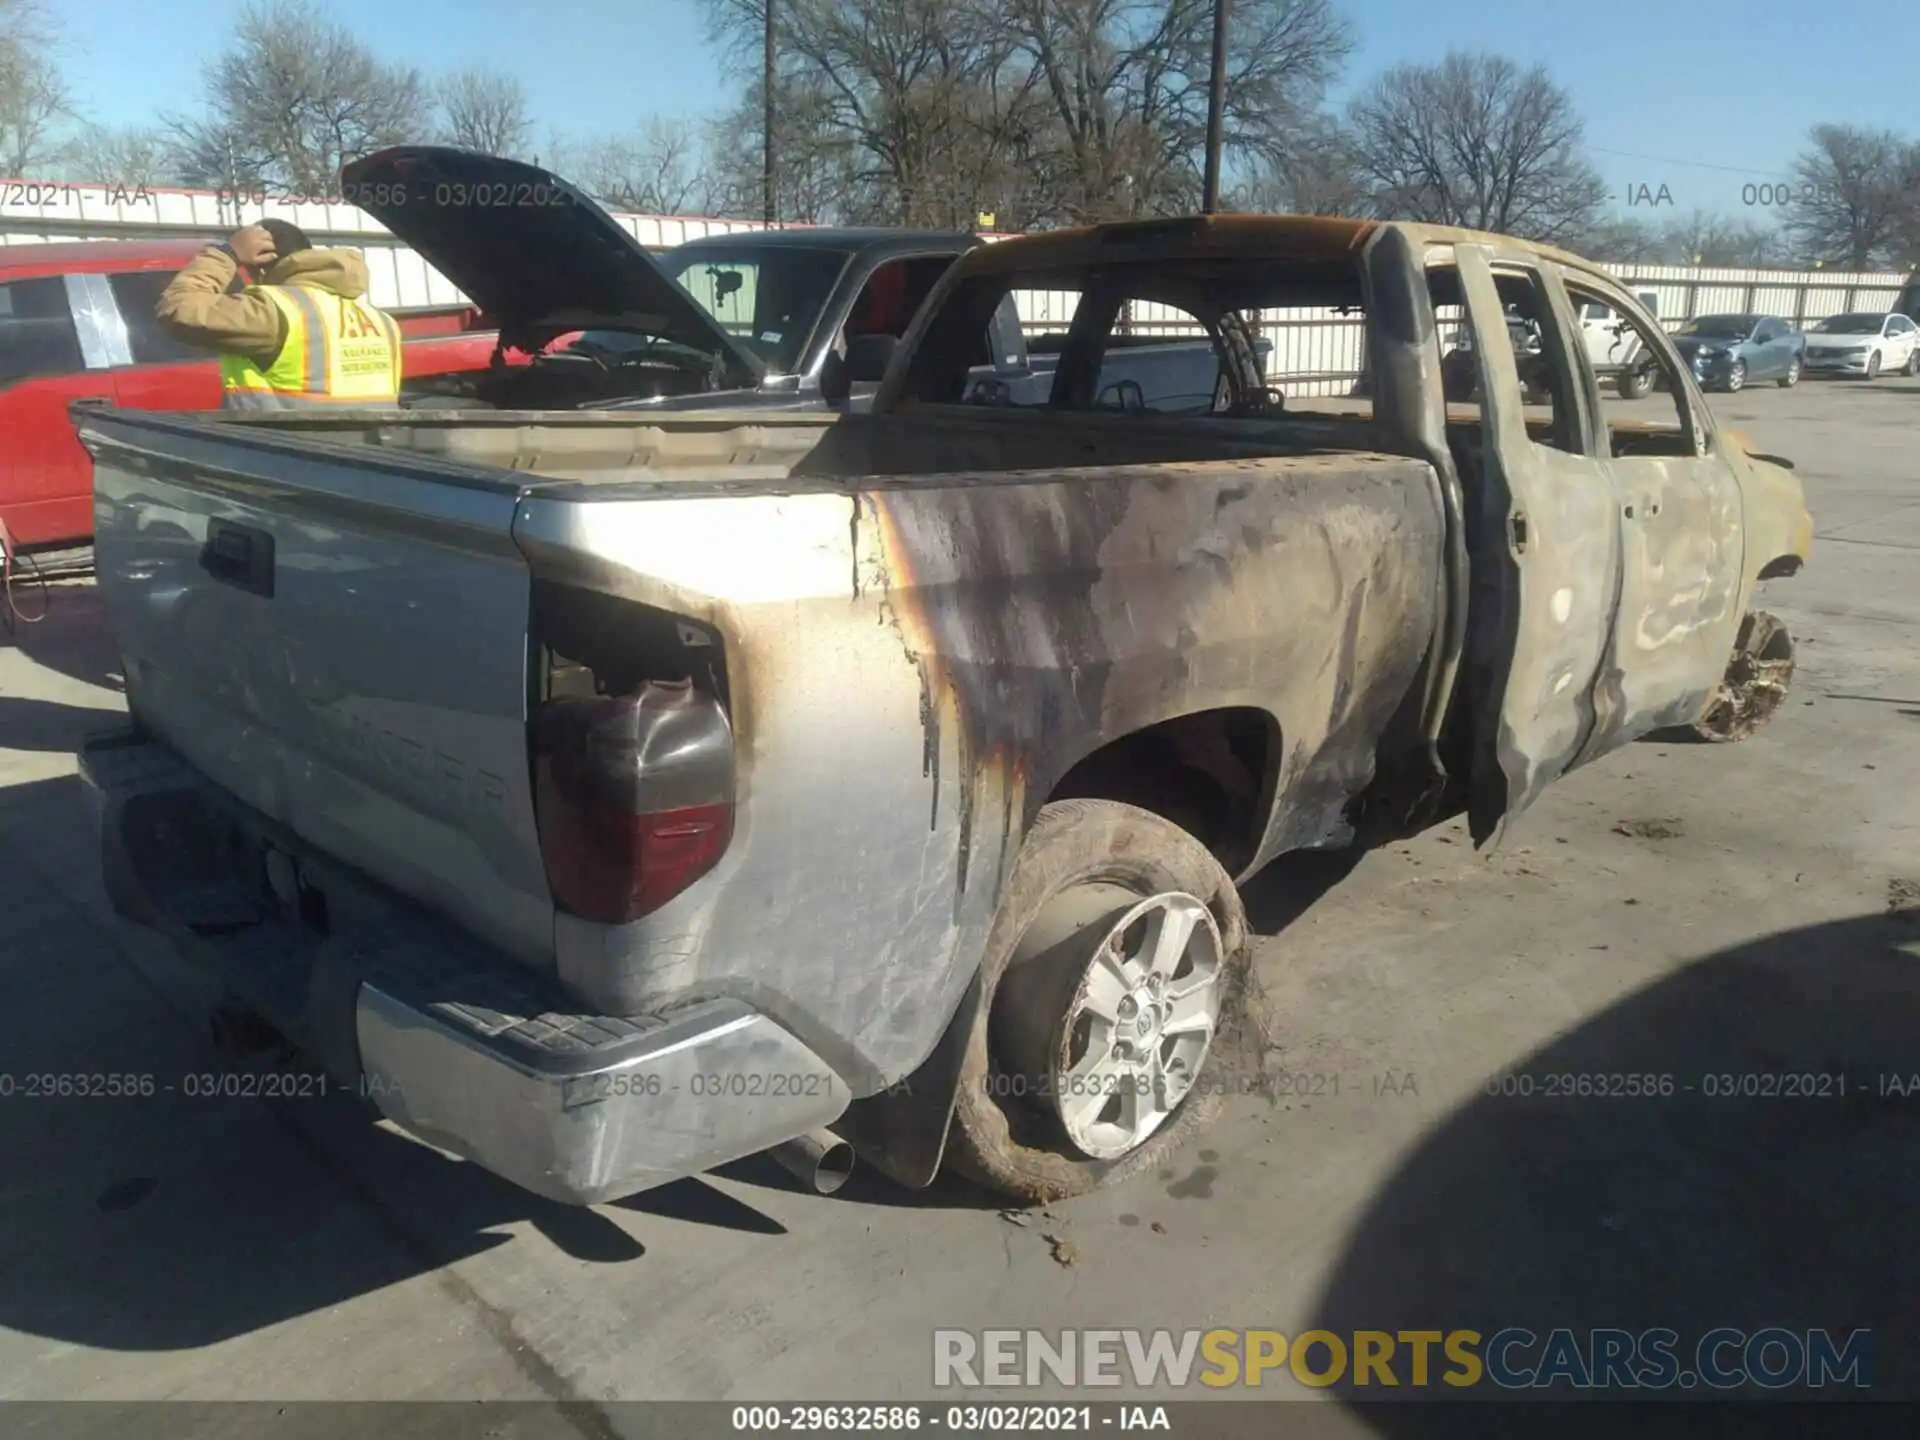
<point x="294" y="96"/>
<point x="1853" y="204"/>
<point x="928" y="111"/>
<point x="33" y="98"/>
<point x="484" y="111"/>
<point x="658" y="169"/>
<point x="813" y="178"/>
<point x="1477" y="141"/>
<point x="1317" y="177"/>
<point x="1126" y="86"/>
<point x="104" y="155"/>
<point x="896" y="98"/>
<point x="1905" y="244"/>
<point x="1701" y="238"/>
<point x="1619" y="240"/>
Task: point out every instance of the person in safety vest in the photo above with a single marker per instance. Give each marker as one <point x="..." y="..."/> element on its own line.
<point x="290" y="323"/>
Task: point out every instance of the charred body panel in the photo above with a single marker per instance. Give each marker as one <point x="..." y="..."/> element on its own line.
<point x="920" y="662"/>
<point x="1062" y="616"/>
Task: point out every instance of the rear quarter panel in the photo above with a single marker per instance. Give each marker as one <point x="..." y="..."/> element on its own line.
<point x="916" y="664"/>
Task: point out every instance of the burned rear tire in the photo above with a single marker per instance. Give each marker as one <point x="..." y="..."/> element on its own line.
<point x="1114" y="981"/>
<point x="1755" y="685"/>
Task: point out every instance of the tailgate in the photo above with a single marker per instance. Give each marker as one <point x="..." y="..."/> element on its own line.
<point x="338" y="637"/>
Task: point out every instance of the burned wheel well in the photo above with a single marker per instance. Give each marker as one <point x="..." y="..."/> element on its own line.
<point x="1211" y="773"/>
<point x="1779" y="568"/>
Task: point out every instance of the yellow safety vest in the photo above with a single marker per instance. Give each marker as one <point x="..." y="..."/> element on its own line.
<point x="337" y="352"/>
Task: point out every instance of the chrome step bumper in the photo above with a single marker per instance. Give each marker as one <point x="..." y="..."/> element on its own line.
<point x="452" y="1041"/>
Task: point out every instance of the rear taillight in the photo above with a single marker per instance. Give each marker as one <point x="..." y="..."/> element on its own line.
<point x="633" y="796"/>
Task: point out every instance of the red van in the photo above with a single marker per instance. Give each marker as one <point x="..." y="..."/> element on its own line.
<point x="76" y="322"/>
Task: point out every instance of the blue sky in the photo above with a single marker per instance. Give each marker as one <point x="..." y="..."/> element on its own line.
<point x="1705" y="99"/>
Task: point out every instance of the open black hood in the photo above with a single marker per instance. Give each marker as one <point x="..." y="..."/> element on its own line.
<point x="533" y="252"/>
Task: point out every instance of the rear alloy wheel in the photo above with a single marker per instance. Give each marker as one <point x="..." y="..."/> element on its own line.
<point x="1913" y="361"/>
<point x="1117" y="961"/>
<point x="1737" y="377"/>
<point x="1792" y="377"/>
<point x="1756" y="682"/>
<point x="1873" y="366"/>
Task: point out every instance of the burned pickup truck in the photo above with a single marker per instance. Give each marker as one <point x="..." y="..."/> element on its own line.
<point x="611" y="795"/>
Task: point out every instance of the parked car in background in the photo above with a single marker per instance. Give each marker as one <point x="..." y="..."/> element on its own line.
<point x="76" y="323"/>
<point x="1726" y="351"/>
<point x="1866" y="343"/>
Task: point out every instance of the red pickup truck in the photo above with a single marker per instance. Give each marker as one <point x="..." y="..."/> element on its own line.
<point x="76" y="322"/>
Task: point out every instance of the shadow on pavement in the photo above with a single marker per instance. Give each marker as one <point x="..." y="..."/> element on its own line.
<point x="1291" y="885"/>
<point x="49" y="725"/>
<point x="698" y="1203"/>
<point x="75" y="639"/>
<point x="1690" y="1212"/>
<point x="868" y="1186"/>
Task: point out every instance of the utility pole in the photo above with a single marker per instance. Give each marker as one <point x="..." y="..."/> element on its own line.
<point x="766" y="122"/>
<point x="1216" y="108"/>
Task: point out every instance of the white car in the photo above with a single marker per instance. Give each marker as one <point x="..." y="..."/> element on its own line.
<point x="1866" y="343"/>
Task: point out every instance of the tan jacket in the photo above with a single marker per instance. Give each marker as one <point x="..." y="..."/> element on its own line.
<point x="196" y="308"/>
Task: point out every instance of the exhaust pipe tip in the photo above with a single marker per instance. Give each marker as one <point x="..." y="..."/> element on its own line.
<point x="819" y="1159"/>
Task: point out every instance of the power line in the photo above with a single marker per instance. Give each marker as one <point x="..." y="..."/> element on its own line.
<point x="1695" y="164"/>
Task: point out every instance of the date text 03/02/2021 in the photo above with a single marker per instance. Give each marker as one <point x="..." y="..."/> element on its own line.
<point x="1284" y="1085"/>
<point x="1711" y="1085"/>
<point x="310" y="1084"/>
<point x="194" y="1085"/>
<point x="963" y="1419"/>
<point x="443" y="194"/>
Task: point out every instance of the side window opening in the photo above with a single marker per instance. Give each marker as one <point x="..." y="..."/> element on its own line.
<point x="955" y="362"/>
<point x="1046" y="318"/>
<point x="1543" y="372"/>
<point x="37" y="333"/>
<point x="1644" y="389"/>
<point x="1161" y="359"/>
<point x="893" y="295"/>
<point x="1198" y="336"/>
<point x="881" y="314"/>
